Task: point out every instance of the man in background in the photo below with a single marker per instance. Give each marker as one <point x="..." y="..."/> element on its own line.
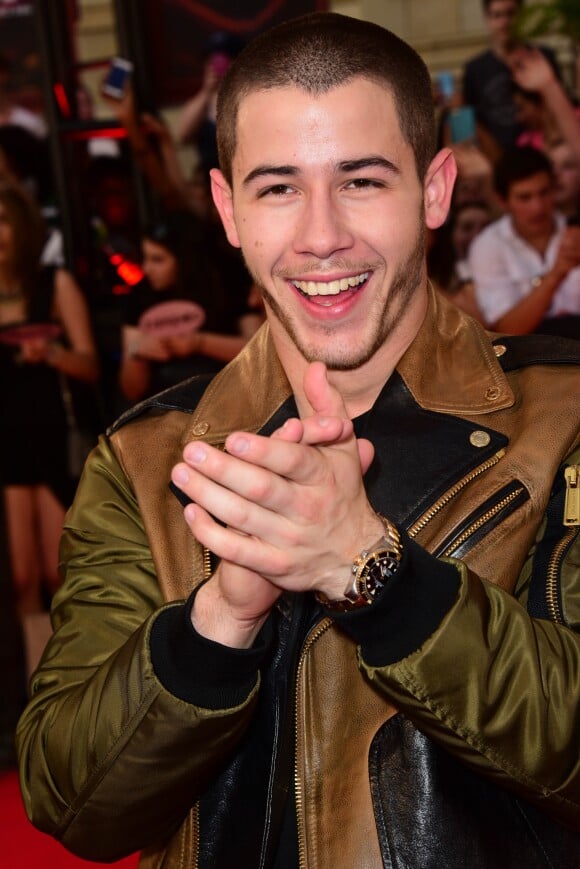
<point x="487" y="80"/>
<point x="526" y="265"/>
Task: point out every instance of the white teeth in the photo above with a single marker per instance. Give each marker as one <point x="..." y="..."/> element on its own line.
<point x="330" y="288"/>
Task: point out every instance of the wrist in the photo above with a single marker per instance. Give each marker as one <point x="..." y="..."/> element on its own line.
<point x="214" y="619"/>
<point x="133" y="348"/>
<point x="553" y="278"/>
<point x="53" y="353"/>
<point x="370" y="571"/>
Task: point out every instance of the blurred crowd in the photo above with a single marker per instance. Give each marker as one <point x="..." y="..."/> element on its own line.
<point x="184" y="303"/>
<point x="509" y="252"/>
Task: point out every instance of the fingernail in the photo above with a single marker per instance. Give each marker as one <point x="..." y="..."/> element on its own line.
<point x="196" y="454"/>
<point x="239" y="445"/>
<point x="180" y="476"/>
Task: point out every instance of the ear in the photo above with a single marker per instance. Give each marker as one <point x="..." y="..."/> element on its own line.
<point x="223" y="199"/>
<point x="438" y="188"/>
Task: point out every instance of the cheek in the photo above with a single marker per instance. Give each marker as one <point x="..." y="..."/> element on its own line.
<point x="263" y="242"/>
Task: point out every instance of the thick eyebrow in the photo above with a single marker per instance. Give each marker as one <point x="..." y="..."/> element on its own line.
<point x="259" y="171"/>
<point x="367" y="163"/>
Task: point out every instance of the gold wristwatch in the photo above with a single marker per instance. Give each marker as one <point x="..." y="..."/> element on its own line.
<point x="371" y="570"/>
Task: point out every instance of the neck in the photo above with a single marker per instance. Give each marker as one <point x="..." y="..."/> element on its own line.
<point x="540" y="241"/>
<point x="504" y="49"/>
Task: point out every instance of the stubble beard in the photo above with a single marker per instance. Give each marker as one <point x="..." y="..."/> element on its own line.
<point x="405" y="281"/>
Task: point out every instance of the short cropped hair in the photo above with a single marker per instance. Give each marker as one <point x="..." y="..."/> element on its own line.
<point x="487" y="3"/>
<point x="518" y="164"/>
<point x="318" y="52"/>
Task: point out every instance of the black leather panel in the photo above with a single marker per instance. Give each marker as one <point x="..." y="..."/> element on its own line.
<point x="433" y="813"/>
<point x="241" y="814"/>
<point x="420" y="453"/>
<point x="524" y="350"/>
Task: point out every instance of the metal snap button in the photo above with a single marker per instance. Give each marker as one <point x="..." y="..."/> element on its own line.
<point x="479" y="438"/>
<point x="201" y="428"/>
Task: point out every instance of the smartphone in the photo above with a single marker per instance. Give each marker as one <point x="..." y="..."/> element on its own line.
<point x="462" y="124"/>
<point x="446" y="84"/>
<point x="220" y="63"/>
<point x="117" y="78"/>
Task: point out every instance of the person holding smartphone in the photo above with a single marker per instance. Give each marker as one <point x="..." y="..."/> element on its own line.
<point x="197" y="119"/>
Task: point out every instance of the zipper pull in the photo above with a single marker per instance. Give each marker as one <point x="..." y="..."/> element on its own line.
<point x="572" y="503"/>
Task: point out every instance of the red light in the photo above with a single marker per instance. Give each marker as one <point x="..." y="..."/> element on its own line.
<point x="130" y="273"/>
<point x="101" y="133"/>
<point x="62" y="99"/>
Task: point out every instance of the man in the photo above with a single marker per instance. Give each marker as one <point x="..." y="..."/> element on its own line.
<point x="526" y="264"/>
<point x="242" y="727"/>
<point x="487" y="79"/>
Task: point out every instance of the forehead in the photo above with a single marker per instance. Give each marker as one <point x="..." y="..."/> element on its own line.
<point x="155" y="248"/>
<point x="535" y="183"/>
<point x="471" y="213"/>
<point x="501" y="8"/>
<point x="564" y="153"/>
<point x="288" y="126"/>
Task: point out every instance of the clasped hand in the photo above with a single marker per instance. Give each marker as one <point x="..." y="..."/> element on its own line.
<point x="286" y="512"/>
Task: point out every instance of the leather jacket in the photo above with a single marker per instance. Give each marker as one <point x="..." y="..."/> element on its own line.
<point x="457" y="753"/>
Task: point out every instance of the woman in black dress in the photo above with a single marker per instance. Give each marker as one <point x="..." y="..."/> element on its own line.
<point x="45" y="337"/>
<point x="186" y="317"/>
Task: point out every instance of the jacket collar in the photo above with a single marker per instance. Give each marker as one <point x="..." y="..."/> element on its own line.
<point x="451" y="367"/>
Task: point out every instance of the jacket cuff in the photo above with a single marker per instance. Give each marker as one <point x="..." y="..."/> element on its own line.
<point x="201" y="671"/>
<point x="408" y="610"/>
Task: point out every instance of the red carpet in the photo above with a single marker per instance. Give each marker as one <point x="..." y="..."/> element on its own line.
<point x="24" y="847"/>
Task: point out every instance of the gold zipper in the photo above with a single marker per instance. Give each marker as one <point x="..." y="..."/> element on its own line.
<point x="195" y="835"/>
<point x="572" y="503"/>
<point x="571" y="521"/>
<point x="471" y="529"/>
<point x="552" y="583"/>
<point x="206" y="563"/>
<point x="451" y="493"/>
<point x="314" y="635"/>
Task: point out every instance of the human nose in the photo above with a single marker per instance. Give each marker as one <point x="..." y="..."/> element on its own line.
<point x="322" y="229"/>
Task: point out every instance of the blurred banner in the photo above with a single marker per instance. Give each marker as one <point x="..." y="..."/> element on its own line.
<point x="14" y="8"/>
<point x="20" y="62"/>
<point x="182" y="34"/>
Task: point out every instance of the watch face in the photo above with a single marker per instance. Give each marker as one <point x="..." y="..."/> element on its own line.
<point x="378" y="570"/>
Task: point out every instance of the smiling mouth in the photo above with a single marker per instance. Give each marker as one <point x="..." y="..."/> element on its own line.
<point x="314" y="289"/>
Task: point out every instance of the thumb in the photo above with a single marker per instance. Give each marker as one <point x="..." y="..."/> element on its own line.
<point x="323" y="398"/>
<point x="366" y="454"/>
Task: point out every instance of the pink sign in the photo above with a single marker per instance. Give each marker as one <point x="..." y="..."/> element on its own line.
<point x="171" y="319"/>
<point x="18" y="334"/>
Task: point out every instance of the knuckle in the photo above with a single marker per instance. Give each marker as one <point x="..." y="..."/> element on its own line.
<point x="261" y="488"/>
<point x="239" y="515"/>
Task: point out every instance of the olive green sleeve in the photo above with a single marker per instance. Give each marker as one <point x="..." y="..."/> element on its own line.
<point x="110" y="760"/>
<point x="499" y="690"/>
